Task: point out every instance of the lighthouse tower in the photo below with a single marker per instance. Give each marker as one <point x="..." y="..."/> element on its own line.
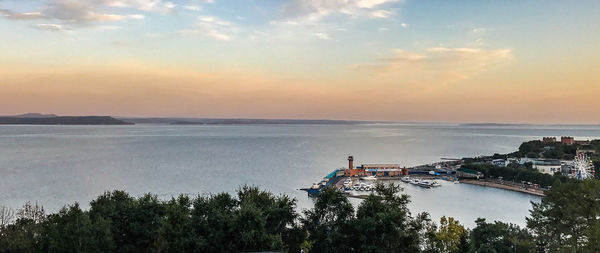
<point x="351" y="171"/>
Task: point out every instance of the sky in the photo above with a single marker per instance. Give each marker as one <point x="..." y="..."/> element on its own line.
<point x="518" y="61"/>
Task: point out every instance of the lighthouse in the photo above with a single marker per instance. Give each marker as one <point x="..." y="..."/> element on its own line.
<point x="350" y="162"/>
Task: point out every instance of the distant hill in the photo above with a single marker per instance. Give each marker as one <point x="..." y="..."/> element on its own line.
<point x="34" y="115"/>
<point x="206" y="121"/>
<point x="39" y="119"/>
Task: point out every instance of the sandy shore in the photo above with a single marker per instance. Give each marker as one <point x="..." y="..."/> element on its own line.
<point x="532" y="191"/>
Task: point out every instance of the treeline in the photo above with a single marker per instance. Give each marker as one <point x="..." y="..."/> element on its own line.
<point x="566" y="220"/>
<point x="517" y="173"/>
<point x="555" y="150"/>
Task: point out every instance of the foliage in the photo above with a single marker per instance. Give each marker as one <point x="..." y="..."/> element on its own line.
<point x="538" y="149"/>
<point x="567" y="217"/>
<point x="500" y="237"/>
<point x="329" y="223"/>
<point x="383" y="223"/>
<point x="116" y="222"/>
<point x="450" y="235"/>
<point x="516" y="173"/>
<point x="566" y="220"/>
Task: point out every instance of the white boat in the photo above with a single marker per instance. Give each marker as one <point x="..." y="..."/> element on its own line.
<point x="405" y="179"/>
<point x="371" y="178"/>
<point x="425" y="184"/>
<point x="360" y="187"/>
<point x="435" y="184"/>
<point x="415" y="181"/>
<point x="431" y="172"/>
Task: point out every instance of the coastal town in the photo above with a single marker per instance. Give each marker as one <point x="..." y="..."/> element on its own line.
<point x="532" y="169"/>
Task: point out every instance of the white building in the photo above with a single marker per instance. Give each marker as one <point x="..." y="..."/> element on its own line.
<point x="547" y="166"/>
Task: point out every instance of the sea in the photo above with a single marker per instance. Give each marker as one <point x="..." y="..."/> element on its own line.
<point x="59" y="165"/>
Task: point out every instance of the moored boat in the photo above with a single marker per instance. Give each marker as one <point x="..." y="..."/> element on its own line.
<point x="425" y="183"/>
<point x="371" y="178"/>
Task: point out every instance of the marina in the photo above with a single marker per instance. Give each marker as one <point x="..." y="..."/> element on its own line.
<point x="360" y="181"/>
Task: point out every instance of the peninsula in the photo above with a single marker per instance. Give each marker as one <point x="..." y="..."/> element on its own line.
<point x="51" y="119"/>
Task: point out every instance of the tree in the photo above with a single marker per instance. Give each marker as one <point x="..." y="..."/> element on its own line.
<point x="7" y="217"/>
<point x="213" y="227"/>
<point x="383" y="222"/>
<point x="567" y="217"/>
<point x="450" y="235"/>
<point x="70" y="230"/>
<point x="174" y="232"/>
<point x="500" y="237"/>
<point x="329" y="222"/>
<point x="24" y="234"/>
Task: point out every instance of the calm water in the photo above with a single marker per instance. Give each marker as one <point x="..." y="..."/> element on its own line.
<point x="56" y="165"/>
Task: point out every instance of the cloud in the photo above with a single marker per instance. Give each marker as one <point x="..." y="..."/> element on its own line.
<point x="51" y="27"/>
<point x="380" y="14"/>
<point x="192" y="7"/>
<point x="441" y="65"/>
<point x="74" y="14"/>
<point x="479" y="30"/>
<point x="323" y="36"/>
<point x="305" y="18"/>
<point x="213" y="27"/>
<point x="20" y="16"/>
<point x="316" y="9"/>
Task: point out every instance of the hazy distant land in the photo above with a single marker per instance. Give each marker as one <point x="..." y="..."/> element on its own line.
<point x="208" y="121"/>
<point x="51" y="119"/>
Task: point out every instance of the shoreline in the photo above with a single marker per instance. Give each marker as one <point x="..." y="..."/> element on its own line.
<point x="532" y="191"/>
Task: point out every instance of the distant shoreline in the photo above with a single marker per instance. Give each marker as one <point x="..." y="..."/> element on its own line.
<point x="63" y="120"/>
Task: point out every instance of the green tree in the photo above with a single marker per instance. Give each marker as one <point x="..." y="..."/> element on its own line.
<point x="174" y="232"/>
<point x="71" y="230"/>
<point x="566" y="218"/>
<point x="500" y="237"/>
<point x="450" y="235"/>
<point x="329" y="222"/>
<point x="383" y="222"/>
<point x="24" y="235"/>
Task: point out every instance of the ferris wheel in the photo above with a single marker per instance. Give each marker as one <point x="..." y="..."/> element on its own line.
<point x="583" y="168"/>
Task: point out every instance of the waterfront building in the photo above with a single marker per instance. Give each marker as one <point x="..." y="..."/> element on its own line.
<point x="380" y="170"/>
<point x="567" y="140"/>
<point x="549" y="140"/>
<point x="500" y="162"/>
<point x="547" y="166"/>
<point x="468" y="173"/>
<point x="384" y="170"/>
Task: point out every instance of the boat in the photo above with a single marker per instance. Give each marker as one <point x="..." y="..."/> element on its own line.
<point x="415" y="181"/>
<point x="435" y="184"/>
<point x="369" y="178"/>
<point x="425" y="184"/>
<point x="360" y="187"/>
<point x="405" y="179"/>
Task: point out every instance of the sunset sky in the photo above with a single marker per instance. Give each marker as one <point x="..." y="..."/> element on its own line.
<point x="525" y="61"/>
